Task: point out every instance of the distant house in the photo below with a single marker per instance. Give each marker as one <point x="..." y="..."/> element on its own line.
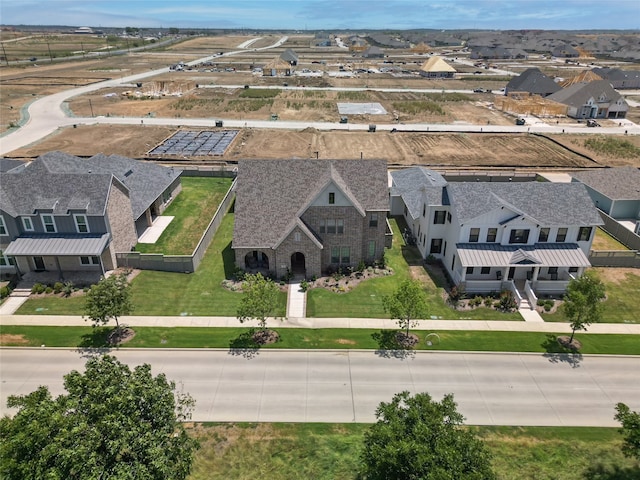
<point x="277" y="67"/>
<point x="583" y="77"/>
<point x="528" y="237"/>
<point x="532" y="81"/>
<point x="70" y="215"/>
<point x="485" y="53"/>
<point x="373" y="52"/>
<point x="309" y="216"/>
<point x="615" y="191"/>
<point x="436" y="67"/>
<point x="595" y="99"/>
<point x="84" y="31"/>
<point x="290" y="57"/>
<point x="565" y="51"/>
<point x="357" y="44"/>
<point x="619" y="79"/>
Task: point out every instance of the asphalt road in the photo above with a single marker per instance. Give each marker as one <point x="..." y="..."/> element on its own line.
<point x="347" y="386"/>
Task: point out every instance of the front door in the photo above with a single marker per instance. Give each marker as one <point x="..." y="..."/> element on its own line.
<point x="38" y="263"/>
<point x="512" y="272"/>
<point x="298" y="266"/>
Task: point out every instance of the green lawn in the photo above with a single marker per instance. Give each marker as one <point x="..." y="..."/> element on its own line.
<point x="193" y="209"/>
<point x="603" y="241"/>
<point x="621" y="304"/>
<point x="330" y="451"/>
<point x="165" y="293"/>
<point x="365" y="300"/>
<point x="330" y="338"/>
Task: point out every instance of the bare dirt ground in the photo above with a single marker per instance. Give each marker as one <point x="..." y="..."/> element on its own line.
<point x="437" y="150"/>
<point x="617" y="274"/>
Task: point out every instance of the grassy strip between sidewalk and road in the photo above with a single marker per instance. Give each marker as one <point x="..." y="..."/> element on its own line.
<point x="331" y="338"/>
<point x="331" y="451"/>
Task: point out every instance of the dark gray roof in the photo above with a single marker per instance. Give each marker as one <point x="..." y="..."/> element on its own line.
<point x="272" y="194"/>
<point x="419" y="185"/>
<point x="552" y="204"/>
<point x="533" y="81"/>
<point x="289" y="56"/>
<point x="58" y="244"/>
<point x="7" y="164"/>
<point x="145" y="180"/>
<point x="578" y="94"/>
<point x="25" y="191"/>
<point x="616" y="74"/>
<point x="621" y="183"/>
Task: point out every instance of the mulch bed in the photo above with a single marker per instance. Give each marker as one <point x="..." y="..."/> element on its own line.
<point x="120" y="335"/>
<point x="574" y="345"/>
<point x="265" y="337"/>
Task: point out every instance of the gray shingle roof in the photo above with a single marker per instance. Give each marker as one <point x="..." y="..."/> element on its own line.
<point x="552" y="204"/>
<point x="578" y="94"/>
<point x="145" y="180"/>
<point x="621" y="183"/>
<point x="533" y="81"/>
<point x="271" y="194"/>
<point x="419" y="185"/>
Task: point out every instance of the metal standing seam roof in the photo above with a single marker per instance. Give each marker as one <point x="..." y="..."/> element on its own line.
<point x="58" y="244"/>
<point x="539" y="254"/>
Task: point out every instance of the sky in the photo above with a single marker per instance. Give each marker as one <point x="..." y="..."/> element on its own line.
<point x="328" y="14"/>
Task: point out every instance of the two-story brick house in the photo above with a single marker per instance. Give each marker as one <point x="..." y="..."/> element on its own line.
<point x="310" y="216"/>
<point x="65" y="214"/>
<point x="536" y="235"/>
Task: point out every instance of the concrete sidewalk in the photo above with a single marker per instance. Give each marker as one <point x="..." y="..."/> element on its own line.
<point x="370" y="323"/>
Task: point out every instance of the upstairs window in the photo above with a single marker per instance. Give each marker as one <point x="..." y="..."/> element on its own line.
<point x="81" y="223"/>
<point x="436" y="245"/>
<point x="340" y="226"/>
<point x="584" y="234"/>
<point x="332" y="198"/>
<point x="27" y="224"/>
<point x="543" y="237"/>
<point x="48" y="223"/>
<point x="562" y="235"/>
<point x="448" y="217"/>
<point x="492" y="233"/>
<point x="474" y="235"/>
<point x="373" y="220"/>
<point x="323" y="228"/>
<point x="439" y="217"/>
<point x="3" y="226"/>
<point x="519" y="235"/>
<point x="331" y="225"/>
<point x="424" y="209"/>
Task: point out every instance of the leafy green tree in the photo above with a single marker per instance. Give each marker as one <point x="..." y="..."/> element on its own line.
<point x="582" y="302"/>
<point x="259" y="299"/>
<point x="107" y="299"/>
<point x="114" y="423"/>
<point x="630" y="421"/>
<point x="418" y="438"/>
<point x="407" y="304"/>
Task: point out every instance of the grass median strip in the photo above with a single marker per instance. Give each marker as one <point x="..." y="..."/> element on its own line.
<point x="331" y="451"/>
<point x="331" y="338"/>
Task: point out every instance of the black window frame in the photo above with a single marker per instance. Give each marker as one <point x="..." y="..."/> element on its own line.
<point x="581" y="233"/>
<point x="543" y="235"/>
<point x="435" y="246"/>
<point x="561" y="235"/>
<point x="515" y="238"/>
<point x="439" y="217"/>
<point x="492" y="235"/>
<point x="474" y="235"/>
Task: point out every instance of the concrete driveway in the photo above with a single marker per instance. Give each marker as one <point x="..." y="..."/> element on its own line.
<point x="347" y="386"/>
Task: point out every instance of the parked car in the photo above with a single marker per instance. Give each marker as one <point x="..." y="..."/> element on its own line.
<point x="478" y="90"/>
<point x="592" y="123"/>
<point x="520" y="121"/>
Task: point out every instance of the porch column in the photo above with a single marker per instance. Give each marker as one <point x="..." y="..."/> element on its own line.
<point x="463" y="275"/>
<point x="536" y="271"/>
<point x="59" y="268"/>
<point x="149" y="219"/>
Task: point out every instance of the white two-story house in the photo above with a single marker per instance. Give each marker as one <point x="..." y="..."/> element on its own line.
<point x="530" y="237"/>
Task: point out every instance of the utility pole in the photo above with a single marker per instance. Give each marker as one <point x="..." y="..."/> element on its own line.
<point x="50" y="56"/>
<point x="4" y="52"/>
<point x="91" y="107"/>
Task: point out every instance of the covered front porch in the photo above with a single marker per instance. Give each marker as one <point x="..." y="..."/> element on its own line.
<point x="65" y="257"/>
<point x="529" y="271"/>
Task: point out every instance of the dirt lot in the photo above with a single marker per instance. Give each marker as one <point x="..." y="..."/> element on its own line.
<point x="439" y="150"/>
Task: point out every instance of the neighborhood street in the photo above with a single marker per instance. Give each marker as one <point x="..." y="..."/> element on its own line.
<point x="347" y="386"/>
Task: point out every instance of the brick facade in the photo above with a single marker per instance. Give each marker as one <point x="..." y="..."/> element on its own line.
<point x="119" y="215"/>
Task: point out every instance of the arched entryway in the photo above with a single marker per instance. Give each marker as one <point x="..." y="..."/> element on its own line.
<point x="256" y="260"/>
<point x="298" y="266"/>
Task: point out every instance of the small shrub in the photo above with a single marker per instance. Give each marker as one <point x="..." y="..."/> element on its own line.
<point x="361" y="266"/>
<point x="67" y="289"/>
<point x="304" y="285"/>
<point x="476" y="301"/>
<point x="548" y="305"/>
<point x="57" y="287"/>
<point x="48" y="290"/>
<point x="507" y="302"/>
<point x="239" y="274"/>
<point x="38" y="288"/>
<point x="430" y="260"/>
<point x="455" y="295"/>
<point x="5" y="291"/>
<point x="488" y="302"/>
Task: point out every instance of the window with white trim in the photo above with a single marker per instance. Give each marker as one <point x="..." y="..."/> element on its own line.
<point x="584" y="234"/>
<point x="48" y="223"/>
<point x="373" y="220"/>
<point x="27" y="224"/>
<point x="6" y="261"/>
<point x="81" y="223"/>
<point x="372" y="248"/>
<point x="562" y="235"/>
<point x="87" y="261"/>
<point x="474" y="235"/>
<point x="3" y="226"/>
